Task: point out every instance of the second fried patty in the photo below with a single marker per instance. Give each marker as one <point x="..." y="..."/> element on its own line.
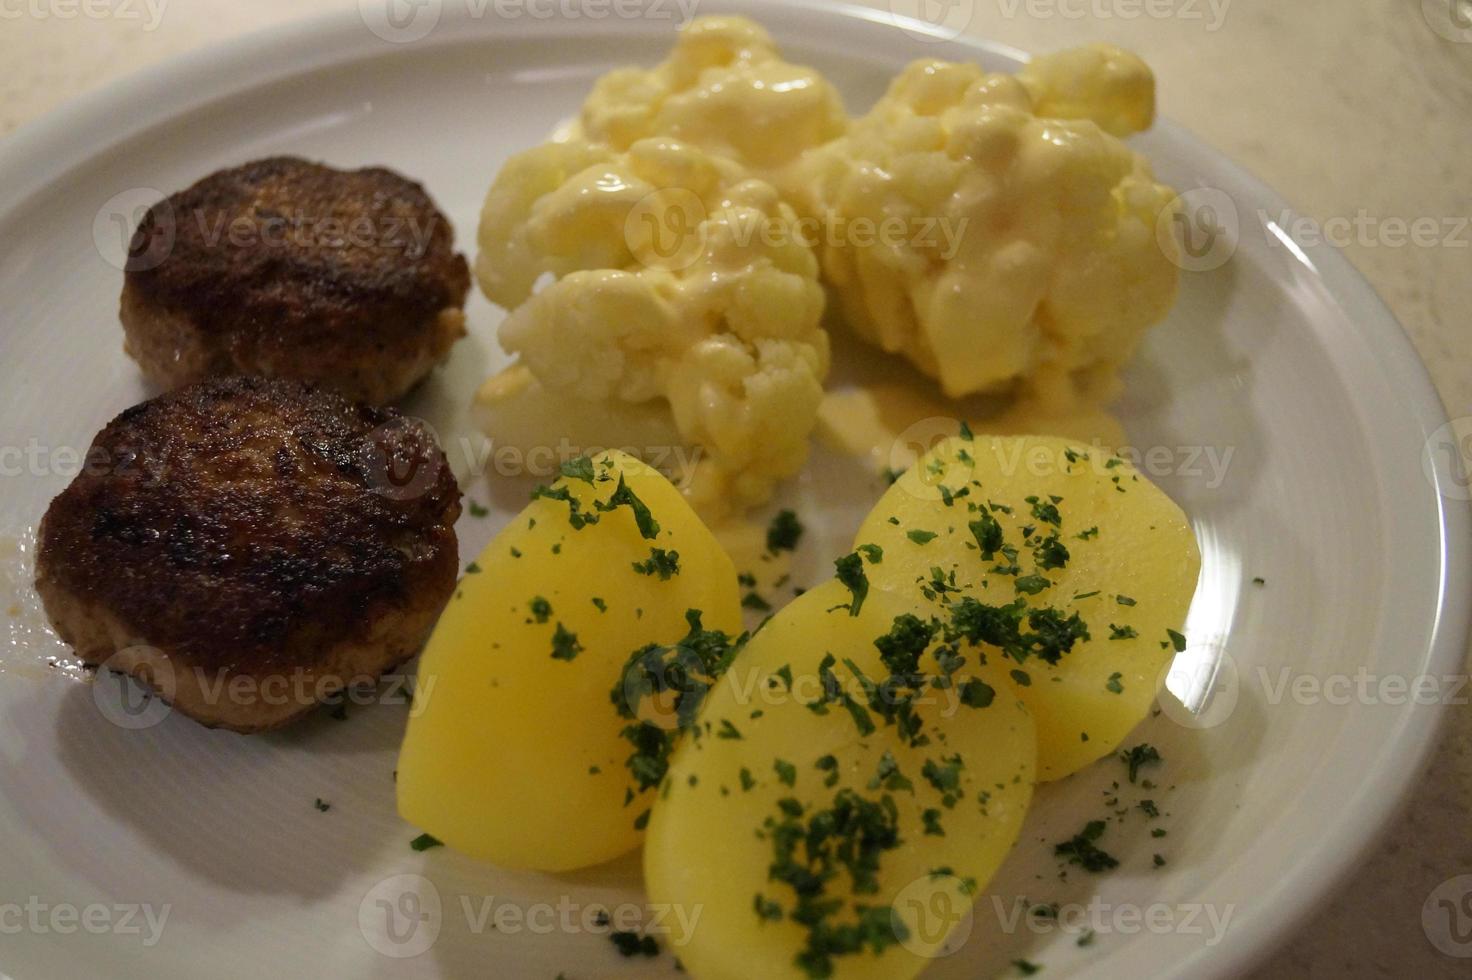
<point x="287" y="268"/>
<point x="257" y="529"/>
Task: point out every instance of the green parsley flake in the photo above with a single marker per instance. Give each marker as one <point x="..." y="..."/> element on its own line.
<point x="786" y="772"/>
<point x="578" y="468"/>
<point x="784" y="532"/>
<point x="1082" y="850"/>
<point x="660" y="562"/>
<point x="850" y="571"/>
<point x="1141" y="755"/>
<point x="565" y="645"/>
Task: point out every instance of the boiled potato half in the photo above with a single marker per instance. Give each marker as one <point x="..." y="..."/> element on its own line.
<point x="841" y="798"/>
<point x="1073" y="569"/>
<point x="517" y="753"/>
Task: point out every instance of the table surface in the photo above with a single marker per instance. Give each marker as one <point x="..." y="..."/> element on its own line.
<point x="1356" y="110"/>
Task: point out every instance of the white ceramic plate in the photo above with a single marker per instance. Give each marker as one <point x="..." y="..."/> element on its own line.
<point x="1280" y="362"/>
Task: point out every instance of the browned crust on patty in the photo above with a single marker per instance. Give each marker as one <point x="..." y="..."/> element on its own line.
<point x="294" y="269"/>
<point x="254" y="527"/>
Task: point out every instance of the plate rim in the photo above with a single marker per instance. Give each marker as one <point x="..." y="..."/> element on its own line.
<point x="46" y="149"/>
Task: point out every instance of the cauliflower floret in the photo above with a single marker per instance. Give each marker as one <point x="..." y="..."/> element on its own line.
<point x="723" y="88"/>
<point x="1100" y="82"/>
<point x="1021" y="247"/>
<point x="677" y="277"/>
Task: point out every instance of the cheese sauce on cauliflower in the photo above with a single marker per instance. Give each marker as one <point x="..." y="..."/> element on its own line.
<point x="677" y="276"/>
<point x="724" y="88"/>
<point x="662" y="253"/>
<point x="1048" y="272"/>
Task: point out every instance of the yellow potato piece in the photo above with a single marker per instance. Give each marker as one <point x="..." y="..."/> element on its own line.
<point x="514" y="754"/>
<point x="757" y="743"/>
<point x="1143" y="552"/>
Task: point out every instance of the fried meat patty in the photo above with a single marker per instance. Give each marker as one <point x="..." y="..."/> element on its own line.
<point x="248" y="546"/>
<point x="286" y="268"/>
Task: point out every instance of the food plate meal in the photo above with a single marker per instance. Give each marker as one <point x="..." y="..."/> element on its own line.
<point x="784" y="494"/>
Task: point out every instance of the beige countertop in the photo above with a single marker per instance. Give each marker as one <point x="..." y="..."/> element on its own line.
<point x="1356" y="110"/>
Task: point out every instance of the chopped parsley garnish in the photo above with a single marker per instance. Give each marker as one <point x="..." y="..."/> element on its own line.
<point x="1113" y="685"/>
<point x="578" y="468"/>
<point x="541" y="609"/>
<point x="1021" y="678"/>
<point x="1030" y="584"/>
<point x="600" y="605"/>
<point x="1141" y="755"/>
<point x="784" y="532"/>
<point x="810" y="849"/>
<point x="321" y="806"/>
<point x="873" y="552"/>
<point x="660" y="562"/>
<point x="1025" y="967"/>
<point x="1124" y="600"/>
<point x="476" y="510"/>
<point x="472" y="569"/>
<point x="988" y="534"/>
<point x="887" y="775"/>
<point x="1082" y="850"/>
<point x="1149" y="808"/>
<point x="624" y="497"/>
<point x="1046" y="510"/>
<point x="901" y="647"/>
<point x="565" y="645"/>
<point x="786" y="772"/>
<point x="687" y="671"/>
<point x="1177" y="641"/>
<point x="1259" y="580"/>
<point x="850" y="571"/>
<point x="945" y="776"/>
<point x="753" y="601"/>
<point x="633" y="944"/>
<point x="1051" y="553"/>
<point x="728" y="731"/>
<point x="977" y="694"/>
<point x="1122" y="632"/>
<point x="921" y="537"/>
<point x="424" y="842"/>
<point x="1052" y="634"/>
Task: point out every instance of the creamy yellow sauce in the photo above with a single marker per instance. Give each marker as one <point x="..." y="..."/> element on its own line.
<point x="891" y="424"/>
